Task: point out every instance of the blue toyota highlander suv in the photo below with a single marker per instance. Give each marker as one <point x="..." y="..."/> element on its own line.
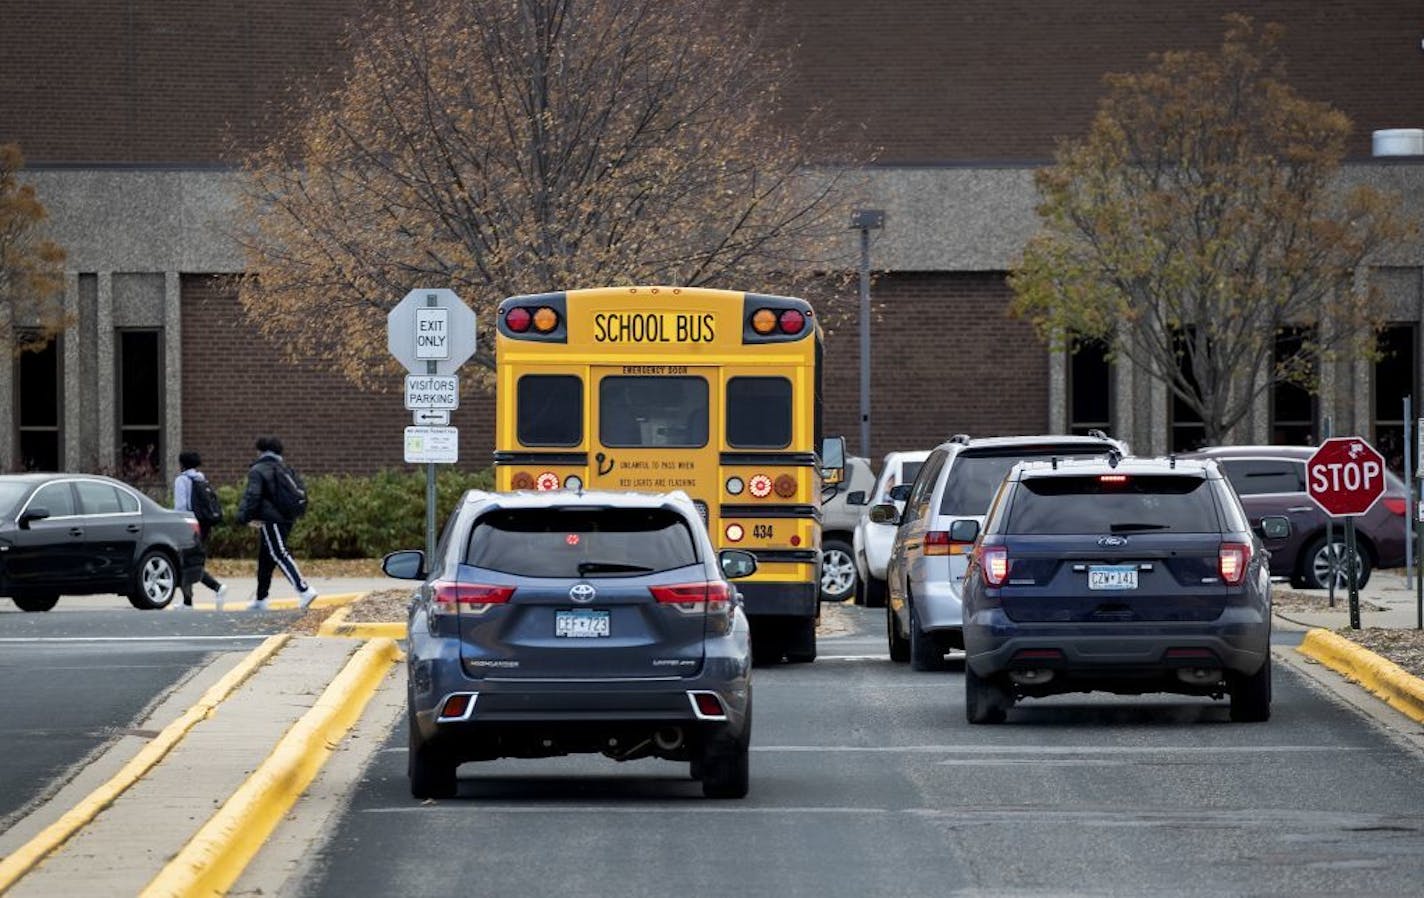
<point x="1120" y="575"/>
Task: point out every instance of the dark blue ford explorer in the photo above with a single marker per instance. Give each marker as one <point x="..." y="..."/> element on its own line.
<point x="1120" y="575"/>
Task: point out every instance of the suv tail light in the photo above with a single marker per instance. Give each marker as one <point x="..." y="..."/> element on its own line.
<point x="694" y="598"/>
<point x="994" y="564"/>
<point x="469" y="598"/>
<point x="1231" y="562"/>
<point x="1395" y="506"/>
<point x="936" y="542"/>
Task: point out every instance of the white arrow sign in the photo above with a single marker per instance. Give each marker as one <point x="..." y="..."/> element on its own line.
<point x="430" y="417"/>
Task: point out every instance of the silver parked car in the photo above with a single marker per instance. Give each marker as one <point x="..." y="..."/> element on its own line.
<point x="839" y="515"/>
<point x="924" y="618"/>
<point x="555" y="623"/>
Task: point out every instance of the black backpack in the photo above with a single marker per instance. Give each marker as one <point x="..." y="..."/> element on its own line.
<point x="204" y="501"/>
<point x="291" y="492"/>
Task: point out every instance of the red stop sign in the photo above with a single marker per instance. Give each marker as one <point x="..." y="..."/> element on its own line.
<point x="1345" y="476"/>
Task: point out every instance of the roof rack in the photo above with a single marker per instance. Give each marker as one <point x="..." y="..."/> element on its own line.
<point x="1114" y="457"/>
<point x="961" y="438"/>
<point x="1172" y="461"/>
<point x="1055" y="462"/>
<point x="1098" y="434"/>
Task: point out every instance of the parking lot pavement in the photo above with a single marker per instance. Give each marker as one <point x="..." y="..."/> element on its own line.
<point x="240" y="591"/>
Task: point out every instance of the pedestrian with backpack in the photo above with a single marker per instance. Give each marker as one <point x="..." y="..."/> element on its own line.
<point x="192" y="493"/>
<point x="275" y="497"/>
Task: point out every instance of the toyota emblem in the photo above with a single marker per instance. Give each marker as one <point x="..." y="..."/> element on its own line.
<point x="582" y="592"/>
<point x="1112" y="541"/>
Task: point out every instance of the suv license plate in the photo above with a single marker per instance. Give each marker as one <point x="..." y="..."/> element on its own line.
<point x="582" y="623"/>
<point x="1117" y="576"/>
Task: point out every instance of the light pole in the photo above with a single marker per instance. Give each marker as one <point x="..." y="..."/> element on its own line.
<point x="1390" y="143"/>
<point x="865" y="220"/>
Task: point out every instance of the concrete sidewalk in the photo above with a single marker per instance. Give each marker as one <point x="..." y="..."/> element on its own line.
<point x="1386" y="589"/>
<point x="241" y="590"/>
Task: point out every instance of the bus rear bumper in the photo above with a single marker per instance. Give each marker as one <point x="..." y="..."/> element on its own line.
<point x="780" y="599"/>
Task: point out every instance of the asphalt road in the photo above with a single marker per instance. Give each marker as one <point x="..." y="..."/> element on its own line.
<point x="75" y="678"/>
<point x="867" y="781"/>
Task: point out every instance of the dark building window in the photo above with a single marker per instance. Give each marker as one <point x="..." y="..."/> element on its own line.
<point x="1188" y="431"/>
<point x="1293" y="407"/>
<point x="1089" y="388"/>
<point x="37" y="385"/>
<point x="140" y="364"/>
<point x="1394" y="379"/>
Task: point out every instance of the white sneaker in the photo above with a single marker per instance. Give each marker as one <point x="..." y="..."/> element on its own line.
<point x="257" y="605"/>
<point x="220" y="597"/>
<point x="308" y="596"/>
<point x="179" y="606"/>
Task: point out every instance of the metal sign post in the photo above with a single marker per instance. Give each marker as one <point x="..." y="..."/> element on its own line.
<point x="1352" y="573"/>
<point x="1329" y="539"/>
<point x="1416" y="489"/>
<point x="1408" y="529"/>
<point x="431" y="332"/>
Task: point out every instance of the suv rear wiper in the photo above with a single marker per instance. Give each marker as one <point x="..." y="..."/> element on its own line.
<point x="1121" y="528"/>
<point x="589" y="567"/>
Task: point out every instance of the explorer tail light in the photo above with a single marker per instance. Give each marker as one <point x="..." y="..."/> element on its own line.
<point x="994" y="564"/>
<point x="467" y="598"/>
<point x="1231" y="562"/>
<point x="1395" y="506"/>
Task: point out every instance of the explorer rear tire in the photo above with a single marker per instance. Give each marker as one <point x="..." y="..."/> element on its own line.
<point x="984" y="700"/>
<point x="1251" y="695"/>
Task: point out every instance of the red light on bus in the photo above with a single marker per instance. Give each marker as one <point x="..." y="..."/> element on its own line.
<point x="545" y="320"/>
<point x="792" y="322"/>
<point x="518" y="320"/>
<point x="763" y="321"/>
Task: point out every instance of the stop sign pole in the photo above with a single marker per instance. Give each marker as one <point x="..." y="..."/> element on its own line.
<point x="1345" y="477"/>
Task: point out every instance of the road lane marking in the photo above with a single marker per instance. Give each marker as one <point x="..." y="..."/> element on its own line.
<point x="1038" y="751"/>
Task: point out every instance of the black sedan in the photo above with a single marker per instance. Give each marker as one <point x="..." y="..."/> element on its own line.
<point x="82" y="534"/>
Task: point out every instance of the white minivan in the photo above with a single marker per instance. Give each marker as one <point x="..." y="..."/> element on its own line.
<point x="871" y="541"/>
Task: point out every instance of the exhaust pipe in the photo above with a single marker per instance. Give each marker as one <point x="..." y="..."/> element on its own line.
<point x="1199" y="676"/>
<point x="1032" y="677"/>
<point x="668" y="739"/>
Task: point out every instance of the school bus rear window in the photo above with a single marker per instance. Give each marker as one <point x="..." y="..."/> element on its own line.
<point x="550" y="410"/>
<point x="758" y="412"/>
<point x="652" y="411"/>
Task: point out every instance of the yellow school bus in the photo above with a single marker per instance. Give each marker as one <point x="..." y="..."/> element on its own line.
<point x="652" y="389"/>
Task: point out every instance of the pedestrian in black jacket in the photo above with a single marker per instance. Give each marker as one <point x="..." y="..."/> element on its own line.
<point x="259" y="509"/>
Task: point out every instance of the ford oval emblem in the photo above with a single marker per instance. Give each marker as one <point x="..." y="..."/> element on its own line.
<point x="582" y="592"/>
<point x="1112" y="541"/>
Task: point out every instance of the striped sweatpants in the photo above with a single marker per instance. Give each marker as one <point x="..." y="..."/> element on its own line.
<point x="274" y="554"/>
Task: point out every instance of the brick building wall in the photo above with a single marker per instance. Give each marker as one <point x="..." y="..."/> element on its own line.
<point x="945" y="358"/>
<point x="237" y="386"/>
<point x="927" y="80"/>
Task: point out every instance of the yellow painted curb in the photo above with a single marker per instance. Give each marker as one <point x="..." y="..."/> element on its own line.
<point x="337" y="625"/>
<point x="28" y="856"/>
<point x="1399" y="689"/>
<point x="216" y="856"/>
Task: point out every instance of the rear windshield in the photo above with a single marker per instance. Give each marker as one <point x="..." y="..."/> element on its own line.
<point x="973" y="478"/>
<point x="581" y="542"/>
<point x="666" y="412"/>
<point x="1093" y="504"/>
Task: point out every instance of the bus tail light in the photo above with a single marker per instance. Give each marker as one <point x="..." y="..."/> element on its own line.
<point x="451" y="597"/>
<point x="764" y="321"/>
<point x="759" y="486"/>
<point x="545" y="319"/>
<point x="518" y="320"/>
<point x="792" y="322"/>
